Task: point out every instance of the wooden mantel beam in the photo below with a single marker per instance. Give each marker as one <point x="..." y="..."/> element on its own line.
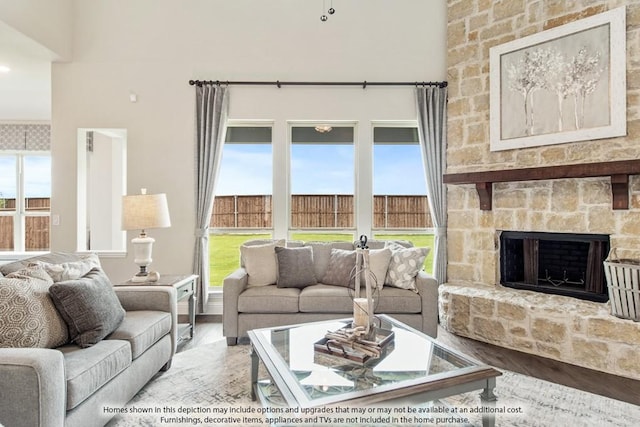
<point x="619" y="172"/>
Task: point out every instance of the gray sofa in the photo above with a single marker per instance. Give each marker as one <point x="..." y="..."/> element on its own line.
<point x="247" y="307"/>
<point x="74" y="386"/>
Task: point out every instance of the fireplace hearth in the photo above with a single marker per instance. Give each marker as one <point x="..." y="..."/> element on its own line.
<point x="556" y="263"/>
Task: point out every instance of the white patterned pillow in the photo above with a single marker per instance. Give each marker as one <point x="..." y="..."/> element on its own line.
<point x="28" y="317"/>
<point x="404" y="266"/>
<point x="71" y="270"/>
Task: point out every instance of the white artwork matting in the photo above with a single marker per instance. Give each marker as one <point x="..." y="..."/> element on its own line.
<point x="561" y="85"/>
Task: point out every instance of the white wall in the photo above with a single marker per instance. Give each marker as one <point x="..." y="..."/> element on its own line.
<point x="153" y="47"/>
<point x="48" y="23"/>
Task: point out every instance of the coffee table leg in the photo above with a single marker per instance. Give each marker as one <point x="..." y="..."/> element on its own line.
<point x="488" y="399"/>
<point x="254" y="373"/>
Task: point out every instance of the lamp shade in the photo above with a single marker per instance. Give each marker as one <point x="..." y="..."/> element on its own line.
<point x="144" y="211"/>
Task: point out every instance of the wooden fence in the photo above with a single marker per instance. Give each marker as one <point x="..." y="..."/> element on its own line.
<point x="321" y="211"/>
<point x="37" y="228"/>
<point x="307" y="211"/>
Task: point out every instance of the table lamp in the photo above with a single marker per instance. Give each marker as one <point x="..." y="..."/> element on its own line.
<point x="142" y="212"/>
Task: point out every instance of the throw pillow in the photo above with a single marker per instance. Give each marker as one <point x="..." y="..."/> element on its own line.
<point x="260" y="263"/>
<point x="71" y="270"/>
<point x="404" y="266"/>
<point x="89" y="306"/>
<point x="295" y="267"/>
<point x="340" y="269"/>
<point x="322" y="253"/>
<point x="28" y="317"/>
<point x="379" y="260"/>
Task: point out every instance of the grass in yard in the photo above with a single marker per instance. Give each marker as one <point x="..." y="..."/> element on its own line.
<point x="224" y="249"/>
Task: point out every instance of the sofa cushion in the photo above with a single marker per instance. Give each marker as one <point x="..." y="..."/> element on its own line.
<point x="295" y="267"/>
<point x="404" y="266"/>
<point x="88" y="369"/>
<point x="323" y="298"/>
<point x="89" y="306"/>
<point x="396" y="300"/>
<point x="268" y="299"/>
<point x="322" y="252"/>
<point x="341" y="268"/>
<point x="142" y="328"/>
<point x="333" y="299"/>
<point x="29" y="317"/>
<point x="260" y="262"/>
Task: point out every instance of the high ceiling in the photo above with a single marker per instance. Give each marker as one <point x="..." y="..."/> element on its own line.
<point x="25" y="91"/>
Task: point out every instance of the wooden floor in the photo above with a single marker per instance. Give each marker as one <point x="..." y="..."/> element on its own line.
<point x="209" y="329"/>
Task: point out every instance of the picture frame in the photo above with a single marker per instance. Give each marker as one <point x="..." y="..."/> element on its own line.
<point x="565" y="84"/>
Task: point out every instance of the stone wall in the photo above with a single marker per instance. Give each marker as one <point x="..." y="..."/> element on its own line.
<point x="566" y="205"/>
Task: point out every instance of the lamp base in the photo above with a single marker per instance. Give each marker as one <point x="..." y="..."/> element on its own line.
<point x="145" y="276"/>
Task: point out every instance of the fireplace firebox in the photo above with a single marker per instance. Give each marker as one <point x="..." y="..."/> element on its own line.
<point x="556" y="263"/>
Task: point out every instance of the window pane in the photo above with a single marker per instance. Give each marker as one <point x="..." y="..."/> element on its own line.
<point x="37" y="233"/>
<point x="6" y="233"/>
<point x="399" y="183"/>
<point x="242" y="206"/>
<point x="8" y="186"/>
<point x="408" y="135"/>
<point x="322" y="178"/>
<point x="37" y="183"/>
<point x="248" y="135"/>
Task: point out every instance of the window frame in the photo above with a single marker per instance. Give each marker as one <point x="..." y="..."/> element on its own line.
<point x="381" y="231"/>
<point x="20" y="213"/>
<point x="231" y="123"/>
<point x="290" y="231"/>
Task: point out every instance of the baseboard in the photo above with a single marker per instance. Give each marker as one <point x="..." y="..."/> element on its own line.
<point x="214" y="305"/>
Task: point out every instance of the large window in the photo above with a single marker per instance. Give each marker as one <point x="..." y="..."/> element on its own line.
<point x="400" y="205"/>
<point x="242" y="208"/>
<point x="399" y="186"/>
<point x="322" y="180"/>
<point x="25" y="209"/>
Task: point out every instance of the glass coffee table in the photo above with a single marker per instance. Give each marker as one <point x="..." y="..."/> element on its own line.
<point x="413" y="370"/>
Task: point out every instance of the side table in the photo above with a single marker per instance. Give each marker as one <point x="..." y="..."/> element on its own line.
<point x="185" y="286"/>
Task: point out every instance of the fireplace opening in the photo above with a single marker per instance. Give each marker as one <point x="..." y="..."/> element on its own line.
<point x="556" y="263"/>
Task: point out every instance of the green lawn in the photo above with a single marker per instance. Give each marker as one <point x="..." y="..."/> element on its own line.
<point x="224" y="252"/>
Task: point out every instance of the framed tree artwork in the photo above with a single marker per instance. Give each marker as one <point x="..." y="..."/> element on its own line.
<point x="561" y="85"/>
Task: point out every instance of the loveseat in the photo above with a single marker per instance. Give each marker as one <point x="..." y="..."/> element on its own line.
<point x="284" y="283"/>
<point x="82" y="379"/>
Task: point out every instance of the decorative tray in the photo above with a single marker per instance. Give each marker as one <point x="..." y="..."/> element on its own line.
<point x="360" y="351"/>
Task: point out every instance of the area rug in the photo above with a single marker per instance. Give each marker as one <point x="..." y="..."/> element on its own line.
<point x="209" y="385"/>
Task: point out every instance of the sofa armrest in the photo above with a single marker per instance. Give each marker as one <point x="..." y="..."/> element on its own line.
<point x="428" y="289"/>
<point x="154" y="298"/>
<point x="232" y="287"/>
<point x="32" y="387"/>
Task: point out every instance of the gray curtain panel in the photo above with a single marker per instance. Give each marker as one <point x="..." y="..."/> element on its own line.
<point x="211" y="116"/>
<point x="432" y="128"/>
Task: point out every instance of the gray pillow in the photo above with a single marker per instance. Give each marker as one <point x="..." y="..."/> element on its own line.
<point x="89" y="306"/>
<point x="295" y="267"/>
<point x="341" y="268"/>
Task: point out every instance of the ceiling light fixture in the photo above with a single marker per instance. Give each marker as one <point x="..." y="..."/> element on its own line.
<point x="4" y="69"/>
<point x="331" y="11"/>
<point x="323" y="128"/>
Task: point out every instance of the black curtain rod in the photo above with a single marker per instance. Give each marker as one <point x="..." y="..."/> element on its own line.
<point x="278" y="83"/>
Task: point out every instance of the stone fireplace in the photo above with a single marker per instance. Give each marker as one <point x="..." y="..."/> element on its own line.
<point x="474" y="302"/>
